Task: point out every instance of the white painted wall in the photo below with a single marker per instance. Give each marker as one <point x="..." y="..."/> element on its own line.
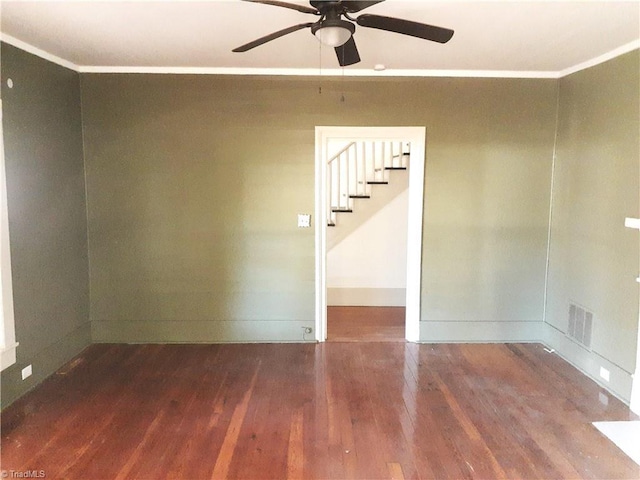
<point x="373" y="258"/>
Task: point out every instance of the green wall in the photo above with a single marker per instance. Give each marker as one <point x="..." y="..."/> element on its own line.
<point x="194" y="183"/>
<point x="487" y="187"/>
<point x="47" y="216"/>
<point x="593" y="258"/>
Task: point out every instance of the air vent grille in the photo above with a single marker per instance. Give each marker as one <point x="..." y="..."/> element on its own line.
<point x="580" y="325"/>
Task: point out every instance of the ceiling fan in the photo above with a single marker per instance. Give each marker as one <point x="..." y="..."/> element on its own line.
<point x="333" y="31"/>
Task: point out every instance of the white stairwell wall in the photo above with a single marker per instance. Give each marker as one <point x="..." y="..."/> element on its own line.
<point x="364" y="209"/>
<point x="369" y="267"/>
<point x="367" y="247"/>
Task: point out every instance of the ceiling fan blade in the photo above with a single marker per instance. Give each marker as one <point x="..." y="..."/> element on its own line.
<point x="406" y="27"/>
<point x="348" y="53"/>
<point x="272" y="36"/>
<point x="353" y="6"/>
<point x="292" y="6"/>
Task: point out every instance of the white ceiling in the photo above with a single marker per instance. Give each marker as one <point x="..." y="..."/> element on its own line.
<point x="544" y="38"/>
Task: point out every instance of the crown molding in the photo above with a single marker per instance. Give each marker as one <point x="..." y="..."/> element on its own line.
<point x="38" y="52"/>
<point x="313" y="72"/>
<point x="629" y="47"/>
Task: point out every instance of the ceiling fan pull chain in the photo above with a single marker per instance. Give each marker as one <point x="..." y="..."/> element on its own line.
<point x="320" y="68"/>
<point x="342" y="67"/>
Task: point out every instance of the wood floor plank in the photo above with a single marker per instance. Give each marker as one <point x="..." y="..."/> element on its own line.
<point x="392" y="419"/>
<point x="223" y="461"/>
<point x="295" y="450"/>
<point x="395" y="471"/>
<point x="266" y="431"/>
<point x="372" y="450"/>
<point x="315" y="411"/>
<point x="478" y="457"/>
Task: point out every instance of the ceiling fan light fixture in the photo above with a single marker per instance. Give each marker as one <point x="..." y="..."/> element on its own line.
<point x="333" y="32"/>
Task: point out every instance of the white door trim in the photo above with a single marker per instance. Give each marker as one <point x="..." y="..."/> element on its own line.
<point x="417" y="137"/>
<point x="8" y="342"/>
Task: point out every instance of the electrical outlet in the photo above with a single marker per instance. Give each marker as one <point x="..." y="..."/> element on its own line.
<point x="604" y="399"/>
<point x="604" y="373"/>
<point x="26" y="372"/>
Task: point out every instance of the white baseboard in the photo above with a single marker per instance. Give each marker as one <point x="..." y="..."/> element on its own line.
<point x="369" y="297"/>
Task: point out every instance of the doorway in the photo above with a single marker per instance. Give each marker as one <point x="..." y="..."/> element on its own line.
<point x="416" y="137"/>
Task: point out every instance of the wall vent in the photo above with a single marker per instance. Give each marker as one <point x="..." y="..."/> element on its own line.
<point x="580" y="325"/>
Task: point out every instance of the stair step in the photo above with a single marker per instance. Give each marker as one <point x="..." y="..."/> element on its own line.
<point x="395" y="168"/>
<point x="341" y="210"/>
<point x="377" y="183"/>
<point x="359" y="196"/>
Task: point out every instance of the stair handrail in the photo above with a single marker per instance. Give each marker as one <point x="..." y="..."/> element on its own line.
<point x="337" y="155"/>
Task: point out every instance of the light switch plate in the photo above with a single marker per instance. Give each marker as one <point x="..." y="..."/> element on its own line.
<point x="630" y="222"/>
<point x="304" y="220"/>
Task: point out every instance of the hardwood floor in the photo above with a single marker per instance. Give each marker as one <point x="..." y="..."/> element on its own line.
<point x="365" y="324"/>
<point x="333" y="410"/>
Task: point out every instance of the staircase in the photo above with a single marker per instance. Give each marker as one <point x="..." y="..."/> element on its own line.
<point x="362" y="177"/>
